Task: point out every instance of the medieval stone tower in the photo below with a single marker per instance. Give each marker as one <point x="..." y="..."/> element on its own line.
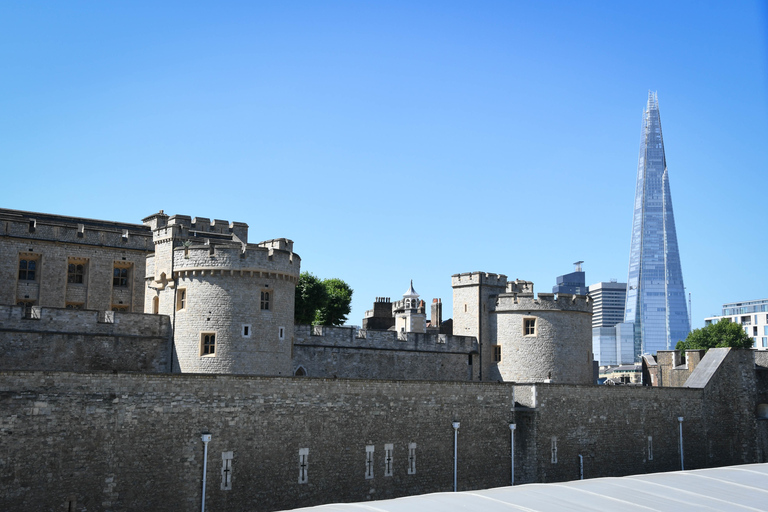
<point x="474" y="294"/>
<point x="231" y="303"/>
<point x="522" y="338"/>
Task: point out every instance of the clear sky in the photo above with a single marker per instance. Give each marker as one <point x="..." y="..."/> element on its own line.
<point x="400" y="140"/>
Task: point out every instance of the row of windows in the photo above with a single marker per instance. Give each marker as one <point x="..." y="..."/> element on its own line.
<point x="28" y="271"/>
<point x="389" y="461"/>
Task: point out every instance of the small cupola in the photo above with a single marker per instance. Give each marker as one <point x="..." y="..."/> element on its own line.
<point x="411" y="298"/>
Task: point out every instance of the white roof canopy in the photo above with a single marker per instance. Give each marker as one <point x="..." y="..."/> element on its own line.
<point x="731" y="488"/>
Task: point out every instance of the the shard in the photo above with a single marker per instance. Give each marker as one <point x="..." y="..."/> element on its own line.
<point x="655" y="292"/>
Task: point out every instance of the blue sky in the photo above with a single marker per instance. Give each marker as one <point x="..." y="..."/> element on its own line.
<point x="400" y="140"/>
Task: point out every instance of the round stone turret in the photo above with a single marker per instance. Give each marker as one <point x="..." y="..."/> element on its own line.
<point x="546" y="339"/>
<point x="231" y="303"/>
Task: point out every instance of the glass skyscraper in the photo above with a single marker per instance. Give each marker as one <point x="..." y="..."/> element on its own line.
<point x="655" y="292"/>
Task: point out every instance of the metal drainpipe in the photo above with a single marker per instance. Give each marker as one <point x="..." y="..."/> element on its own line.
<point x="206" y="438"/>
<point x="512" y="427"/>
<point x="682" y="459"/>
<point x="581" y="467"/>
<point x="456" y="426"/>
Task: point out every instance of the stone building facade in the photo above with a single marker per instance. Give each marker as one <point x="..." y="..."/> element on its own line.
<point x="68" y="262"/>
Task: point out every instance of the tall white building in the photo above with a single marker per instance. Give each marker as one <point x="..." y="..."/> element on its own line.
<point x="612" y="339"/>
<point x="753" y="317"/>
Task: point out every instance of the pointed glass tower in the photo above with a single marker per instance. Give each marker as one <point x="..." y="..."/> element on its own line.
<point x="655" y="291"/>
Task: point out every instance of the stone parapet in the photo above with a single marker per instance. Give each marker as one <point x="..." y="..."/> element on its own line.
<point x="83" y="340"/>
<point x="478" y="278"/>
<point x="352" y="337"/>
<point x="544" y="302"/>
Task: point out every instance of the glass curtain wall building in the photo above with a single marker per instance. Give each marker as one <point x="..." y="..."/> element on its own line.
<point x="655" y="291"/>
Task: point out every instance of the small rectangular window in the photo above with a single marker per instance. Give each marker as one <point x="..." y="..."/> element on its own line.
<point x="303" y="464"/>
<point x="388" y="461"/>
<point x="226" y="471"/>
<point x="265" y="300"/>
<point x="181" y="299"/>
<point x="208" y="344"/>
<point x="650" y="447"/>
<point x="529" y="326"/>
<point x="411" y="458"/>
<point x="120" y="276"/>
<point x="369" y="461"/>
<point x="554" y="450"/>
<point x="281" y="333"/>
<point x="497" y="353"/>
<point x="246" y="330"/>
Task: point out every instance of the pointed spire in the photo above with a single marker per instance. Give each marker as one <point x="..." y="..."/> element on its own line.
<point x="411" y="292"/>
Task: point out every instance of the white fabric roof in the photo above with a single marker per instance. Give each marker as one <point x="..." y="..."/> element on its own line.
<point x="728" y="488"/>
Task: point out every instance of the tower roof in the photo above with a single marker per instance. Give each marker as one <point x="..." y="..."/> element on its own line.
<point x="411" y="293"/>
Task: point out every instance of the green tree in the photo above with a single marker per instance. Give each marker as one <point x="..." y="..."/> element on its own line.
<point x="310" y="297"/>
<point x="321" y="302"/>
<point x="721" y="334"/>
<point x="337" y="305"/>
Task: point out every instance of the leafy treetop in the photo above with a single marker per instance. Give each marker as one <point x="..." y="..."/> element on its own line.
<point x="721" y="334"/>
<point x="322" y="302"/>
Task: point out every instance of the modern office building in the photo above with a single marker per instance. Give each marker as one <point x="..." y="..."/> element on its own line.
<point x="612" y="339"/>
<point x="753" y="317"/>
<point x="655" y="291"/>
<point x="574" y="283"/>
<point x="608" y="303"/>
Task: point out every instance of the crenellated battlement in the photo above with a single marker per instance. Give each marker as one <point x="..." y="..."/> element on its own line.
<point x="544" y="301"/>
<point x="178" y="226"/>
<point x="198" y="246"/>
<point x="366" y="339"/>
<point x="279" y="244"/>
<point x="520" y="287"/>
<point x="478" y="278"/>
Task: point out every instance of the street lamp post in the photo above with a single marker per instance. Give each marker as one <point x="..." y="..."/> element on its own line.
<point x="512" y="427"/>
<point x="456" y="426"/>
<point x="682" y="458"/>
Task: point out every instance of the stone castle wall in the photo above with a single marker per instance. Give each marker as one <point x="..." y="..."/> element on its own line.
<point x="132" y="441"/>
<point x="72" y="340"/>
<point x="347" y="352"/>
